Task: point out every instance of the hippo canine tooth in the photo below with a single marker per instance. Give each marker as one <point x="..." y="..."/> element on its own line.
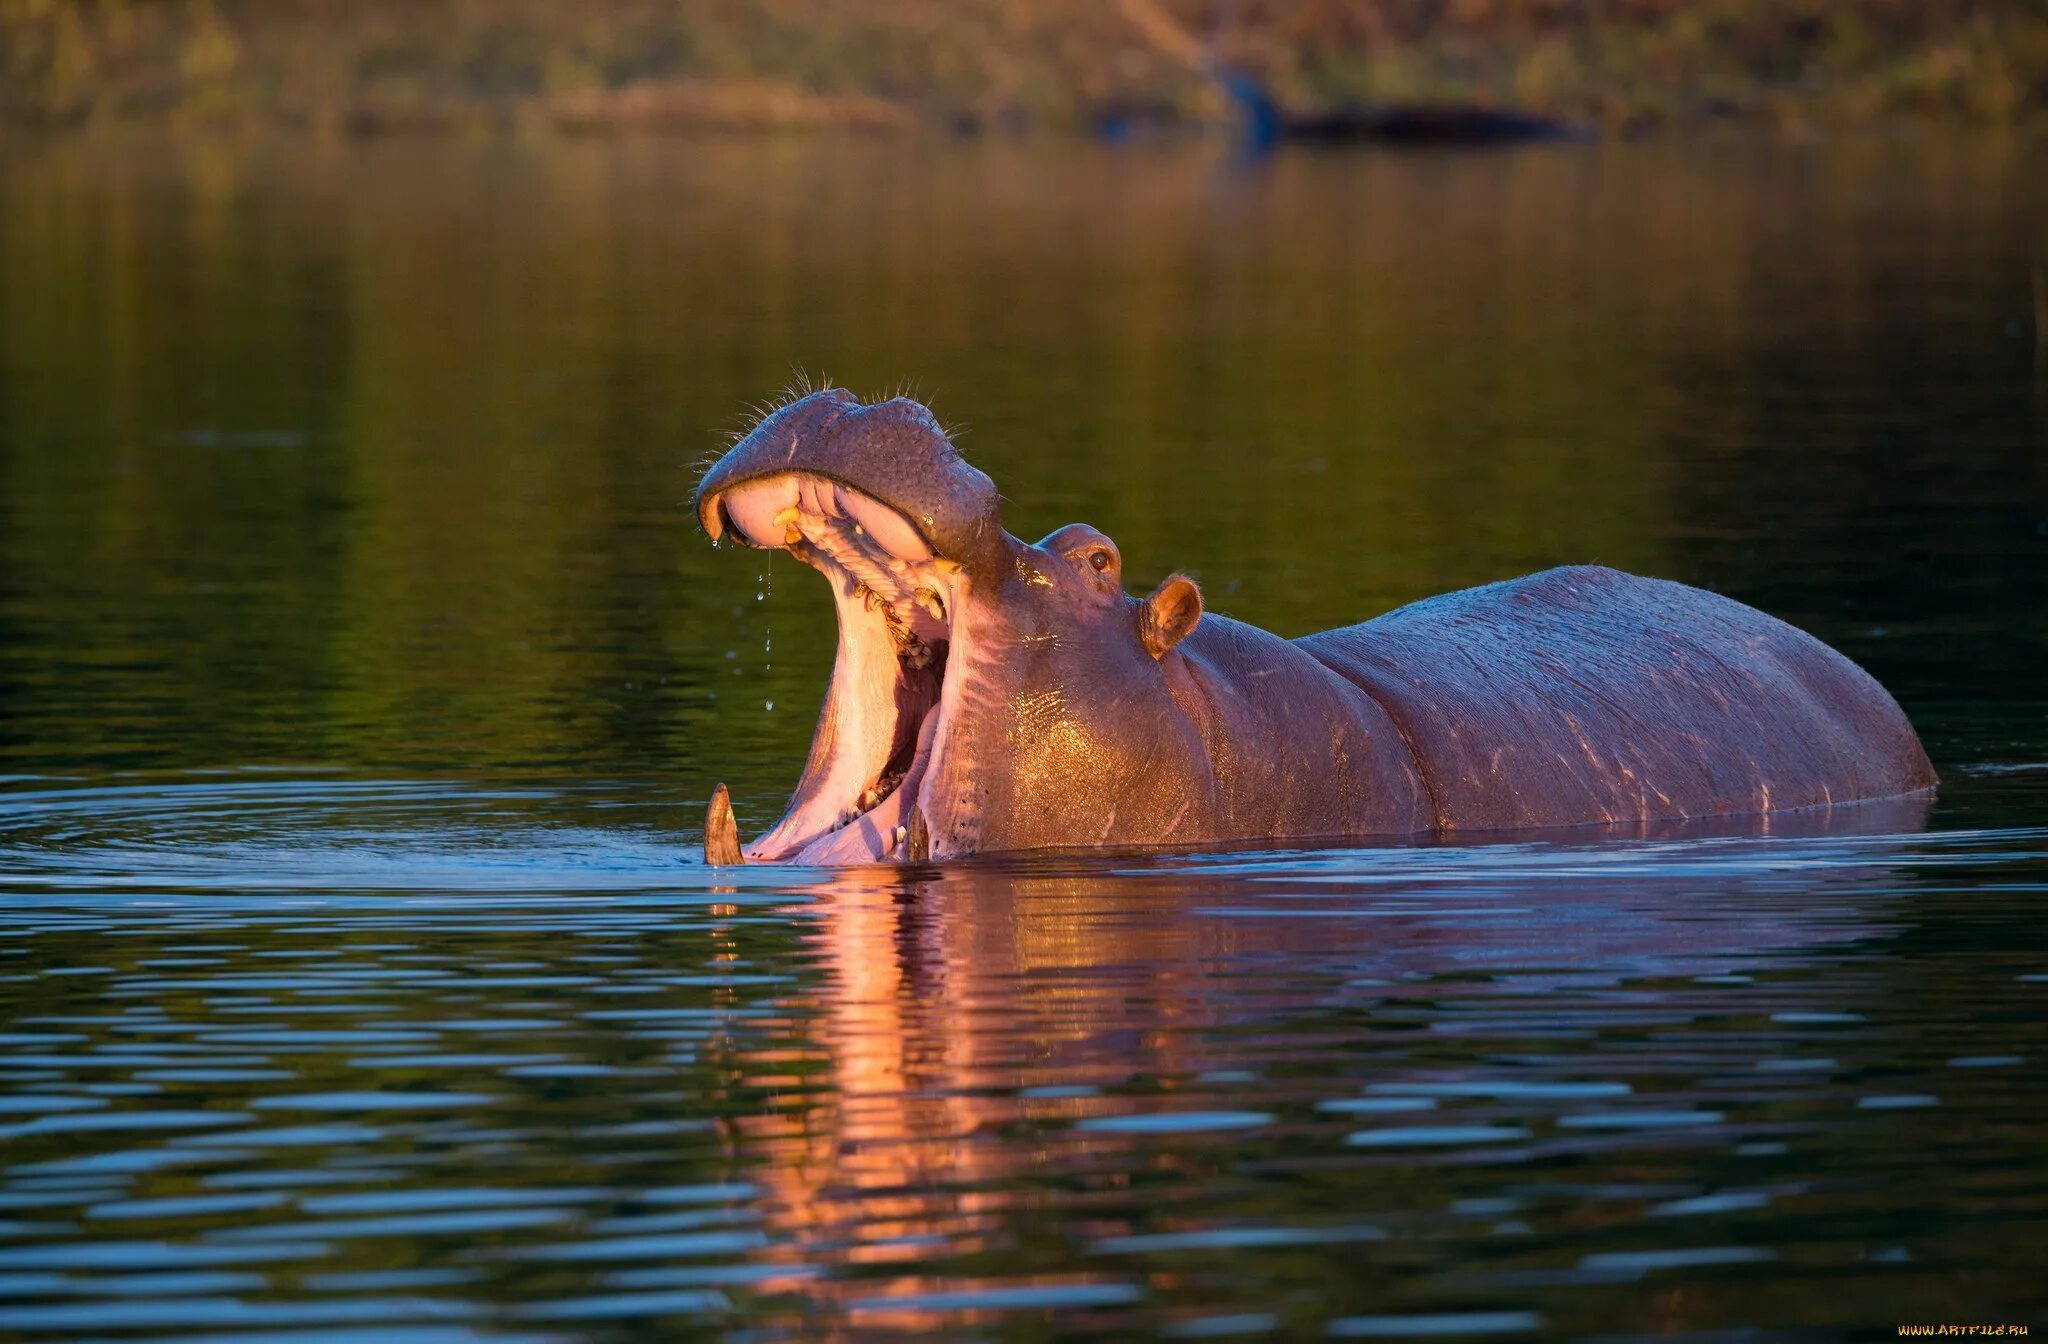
<point x="721" y="832"/>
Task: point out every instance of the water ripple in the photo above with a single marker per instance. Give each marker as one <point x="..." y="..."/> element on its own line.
<point x="340" y="1071"/>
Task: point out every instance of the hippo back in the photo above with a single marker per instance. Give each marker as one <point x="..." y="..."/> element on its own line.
<point x="1588" y="695"/>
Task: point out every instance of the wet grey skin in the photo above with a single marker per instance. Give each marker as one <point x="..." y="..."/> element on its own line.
<point x="992" y="695"/>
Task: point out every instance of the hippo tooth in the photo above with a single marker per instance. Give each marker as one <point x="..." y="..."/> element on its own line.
<point x="917" y="846"/>
<point x="721" y="832"/>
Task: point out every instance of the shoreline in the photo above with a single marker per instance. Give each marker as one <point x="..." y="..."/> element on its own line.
<point x="793" y="116"/>
<point x="1135" y="68"/>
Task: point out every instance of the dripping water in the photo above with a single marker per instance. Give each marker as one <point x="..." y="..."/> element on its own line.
<point x="767" y="635"/>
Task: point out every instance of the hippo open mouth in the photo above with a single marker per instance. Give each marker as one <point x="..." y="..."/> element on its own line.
<point x="895" y="601"/>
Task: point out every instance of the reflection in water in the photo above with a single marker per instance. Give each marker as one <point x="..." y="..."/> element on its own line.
<point x="1009" y="1042"/>
<point x="361" y="681"/>
<point x="574" y="1077"/>
<point x="293" y="1055"/>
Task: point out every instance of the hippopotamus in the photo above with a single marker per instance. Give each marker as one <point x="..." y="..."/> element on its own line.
<point x="991" y="695"/>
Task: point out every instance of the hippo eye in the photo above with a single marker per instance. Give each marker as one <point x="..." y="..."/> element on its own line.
<point x="1099" y="559"/>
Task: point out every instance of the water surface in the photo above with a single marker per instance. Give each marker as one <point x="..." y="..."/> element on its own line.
<point x="362" y="681"/>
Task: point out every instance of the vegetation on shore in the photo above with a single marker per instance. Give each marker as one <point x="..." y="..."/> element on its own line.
<point x="596" y="65"/>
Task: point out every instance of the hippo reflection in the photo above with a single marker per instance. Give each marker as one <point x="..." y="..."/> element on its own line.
<point x="958" y="1022"/>
<point x="991" y="695"/>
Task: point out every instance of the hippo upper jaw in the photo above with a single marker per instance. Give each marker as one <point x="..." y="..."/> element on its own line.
<point x="893" y="453"/>
<point x="861" y="796"/>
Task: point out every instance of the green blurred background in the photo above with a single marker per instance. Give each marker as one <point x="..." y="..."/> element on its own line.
<point x="377" y="454"/>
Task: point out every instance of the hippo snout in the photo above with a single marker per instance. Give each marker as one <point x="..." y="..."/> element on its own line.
<point x="893" y="452"/>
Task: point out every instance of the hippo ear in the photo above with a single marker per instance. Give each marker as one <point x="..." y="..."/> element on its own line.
<point x="1170" y="615"/>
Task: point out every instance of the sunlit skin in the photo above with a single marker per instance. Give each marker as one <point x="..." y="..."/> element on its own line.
<point x="992" y="695"/>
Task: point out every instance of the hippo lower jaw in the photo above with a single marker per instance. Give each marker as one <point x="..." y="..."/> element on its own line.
<point x="860" y="798"/>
